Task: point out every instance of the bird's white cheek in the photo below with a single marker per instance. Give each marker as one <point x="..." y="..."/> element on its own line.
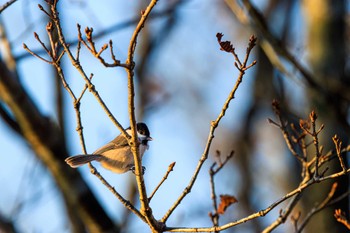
<point x="141" y="137"/>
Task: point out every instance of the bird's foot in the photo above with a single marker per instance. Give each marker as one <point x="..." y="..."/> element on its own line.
<point x="133" y="169"/>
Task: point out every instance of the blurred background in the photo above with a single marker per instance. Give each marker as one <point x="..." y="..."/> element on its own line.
<point x="182" y="81"/>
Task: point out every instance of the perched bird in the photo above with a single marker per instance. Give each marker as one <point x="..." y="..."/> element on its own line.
<point x="116" y="155"/>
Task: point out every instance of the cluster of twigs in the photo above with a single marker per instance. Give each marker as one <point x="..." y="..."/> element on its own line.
<point x="313" y="169"/>
<point x="297" y="143"/>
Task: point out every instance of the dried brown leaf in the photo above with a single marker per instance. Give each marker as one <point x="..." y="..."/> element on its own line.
<point x="225" y="202"/>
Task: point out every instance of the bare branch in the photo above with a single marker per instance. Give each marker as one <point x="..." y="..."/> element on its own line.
<point x="170" y="169"/>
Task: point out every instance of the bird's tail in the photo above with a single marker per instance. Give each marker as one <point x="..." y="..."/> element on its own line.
<point x="78" y="160"/>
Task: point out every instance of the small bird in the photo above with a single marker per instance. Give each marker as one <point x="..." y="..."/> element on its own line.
<point x="116" y="155"/>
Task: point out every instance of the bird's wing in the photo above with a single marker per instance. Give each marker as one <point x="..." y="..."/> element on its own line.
<point x="117" y="143"/>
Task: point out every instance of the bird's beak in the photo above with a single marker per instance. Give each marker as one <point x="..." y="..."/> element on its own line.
<point x="149" y="139"/>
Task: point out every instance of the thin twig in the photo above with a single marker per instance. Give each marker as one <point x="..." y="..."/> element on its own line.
<point x="314" y="134"/>
<point x="338" y="144"/>
<point x="170" y="169"/>
<point x="112" y="53"/>
<point x="45" y="11"/>
<point x="283" y="214"/>
<point x="282" y="126"/>
<point x="36" y="55"/>
<point x="214" y="216"/>
<point x="212" y="172"/>
<point x="77" y="56"/>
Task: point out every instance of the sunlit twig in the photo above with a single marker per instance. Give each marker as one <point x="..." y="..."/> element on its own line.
<point x="170" y="169"/>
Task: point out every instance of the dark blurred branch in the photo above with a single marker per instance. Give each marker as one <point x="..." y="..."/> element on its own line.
<point x="10" y="121"/>
<point x="7" y="4"/>
<point x="274" y="48"/>
<point x="6" y="226"/>
<point x="6" y="51"/>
